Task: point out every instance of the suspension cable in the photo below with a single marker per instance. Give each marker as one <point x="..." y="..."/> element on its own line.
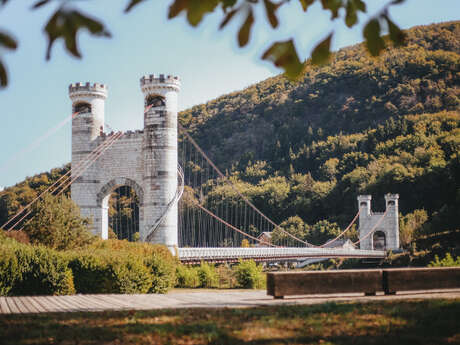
<point x="238" y="192"/>
<point x="96" y="153"/>
<point x="373" y="228"/>
<point x="233" y="227"/>
<point x="38" y="141"/>
<point x="342" y="233"/>
<point x="50" y="187"/>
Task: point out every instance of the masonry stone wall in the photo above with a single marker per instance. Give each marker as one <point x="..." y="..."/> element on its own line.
<point x="144" y="160"/>
<point x="372" y="222"/>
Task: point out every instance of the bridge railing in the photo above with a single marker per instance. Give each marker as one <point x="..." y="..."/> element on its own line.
<point x="206" y="254"/>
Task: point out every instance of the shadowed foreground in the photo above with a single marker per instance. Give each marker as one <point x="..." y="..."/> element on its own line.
<point x="391" y="322"/>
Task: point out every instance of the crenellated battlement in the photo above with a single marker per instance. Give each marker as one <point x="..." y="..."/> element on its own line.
<point x="97" y="89"/>
<point x="159" y="81"/>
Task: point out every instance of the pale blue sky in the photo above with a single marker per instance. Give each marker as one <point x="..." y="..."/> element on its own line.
<point x="208" y="61"/>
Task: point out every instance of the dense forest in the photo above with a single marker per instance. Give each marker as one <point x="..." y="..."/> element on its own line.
<point x="302" y="151"/>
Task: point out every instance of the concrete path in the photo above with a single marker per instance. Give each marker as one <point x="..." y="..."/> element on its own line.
<point x="187" y="299"/>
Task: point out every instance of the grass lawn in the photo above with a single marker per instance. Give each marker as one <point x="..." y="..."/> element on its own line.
<point x="394" y="322"/>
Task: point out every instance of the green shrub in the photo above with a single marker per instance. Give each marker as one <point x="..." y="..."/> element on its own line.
<point x="91" y="273"/>
<point x="107" y="272"/>
<point x="42" y="272"/>
<point x="157" y="258"/>
<point x="9" y="270"/>
<point x="227" y="278"/>
<point x="129" y="275"/>
<point x="249" y="275"/>
<point x="448" y="261"/>
<point x="207" y="275"/>
<point x="187" y="277"/>
<point x="57" y="224"/>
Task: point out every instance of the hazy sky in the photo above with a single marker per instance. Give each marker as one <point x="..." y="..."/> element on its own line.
<point x="208" y="61"/>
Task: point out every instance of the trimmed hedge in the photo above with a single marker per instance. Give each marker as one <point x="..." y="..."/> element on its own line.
<point x="103" y="272"/>
<point x="104" y="267"/>
<point x="27" y="270"/>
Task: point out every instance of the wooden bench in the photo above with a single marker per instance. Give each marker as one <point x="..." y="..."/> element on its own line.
<point x="426" y="278"/>
<point x="282" y="284"/>
<point x="369" y="282"/>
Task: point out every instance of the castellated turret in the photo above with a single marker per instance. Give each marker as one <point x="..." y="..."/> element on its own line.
<point x="89" y="101"/>
<point x="160" y="155"/>
<point x="385" y="234"/>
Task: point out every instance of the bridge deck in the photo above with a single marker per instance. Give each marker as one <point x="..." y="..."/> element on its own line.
<point x="192" y="255"/>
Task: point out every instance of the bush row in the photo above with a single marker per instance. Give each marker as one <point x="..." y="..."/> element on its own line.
<point x="246" y="274"/>
<point x="104" y="267"/>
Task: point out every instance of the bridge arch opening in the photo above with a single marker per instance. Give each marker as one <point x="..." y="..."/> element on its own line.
<point x="379" y="240"/>
<point x="121" y="202"/>
<point x="123" y="214"/>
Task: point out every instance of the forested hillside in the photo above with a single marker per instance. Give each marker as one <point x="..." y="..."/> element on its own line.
<point x="303" y="151"/>
<point x="355" y="92"/>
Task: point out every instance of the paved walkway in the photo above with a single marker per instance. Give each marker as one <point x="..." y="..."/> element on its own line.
<point x="186" y="299"/>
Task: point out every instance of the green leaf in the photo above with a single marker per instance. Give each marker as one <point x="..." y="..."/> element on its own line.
<point x="195" y="9"/>
<point x="228" y="3"/>
<point x="245" y="30"/>
<point x="131" y="4"/>
<point x="3" y="75"/>
<point x="374" y="42"/>
<point x="360" y="5"/>
<point x="352" y="8"/>
<point x="322" y="51"/>
<point x="284" y="55"/>
<point x="332" y="5"/>
<point x="177" y="7"/>
<point x="7" y="41"/>
<point x="306" y="3"/>
<point x="227" y="18"/>
<point x="65" y="24"/>
<point x="271" y="8"/>
<point x="40" y="4"/>
<point x="351" y="17"/>
<point x="397" y="36"/>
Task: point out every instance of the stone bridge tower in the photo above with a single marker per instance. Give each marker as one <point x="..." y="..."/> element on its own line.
<point x="144" y="160"/>
<point x="385" y="231"/>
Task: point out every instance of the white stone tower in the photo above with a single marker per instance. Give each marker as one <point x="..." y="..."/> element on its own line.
<point x="144" y="160"/>
<point x="89" y="101"/>
<point x="160" y="156"/>
<point x="386" y="233"/>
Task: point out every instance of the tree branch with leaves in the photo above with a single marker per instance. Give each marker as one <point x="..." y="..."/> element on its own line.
<point x="67" y="21"/>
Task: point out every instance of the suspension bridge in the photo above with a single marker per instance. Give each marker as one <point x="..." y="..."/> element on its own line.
<point x="176" y="195"/>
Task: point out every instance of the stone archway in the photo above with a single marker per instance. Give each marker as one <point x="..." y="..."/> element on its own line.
<point x="104" y="195"/>
<point x="379" y="240"/>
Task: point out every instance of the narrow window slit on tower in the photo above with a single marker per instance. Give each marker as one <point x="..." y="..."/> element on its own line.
<point x="82" y="108"/>
<point x="155" y="101"/>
